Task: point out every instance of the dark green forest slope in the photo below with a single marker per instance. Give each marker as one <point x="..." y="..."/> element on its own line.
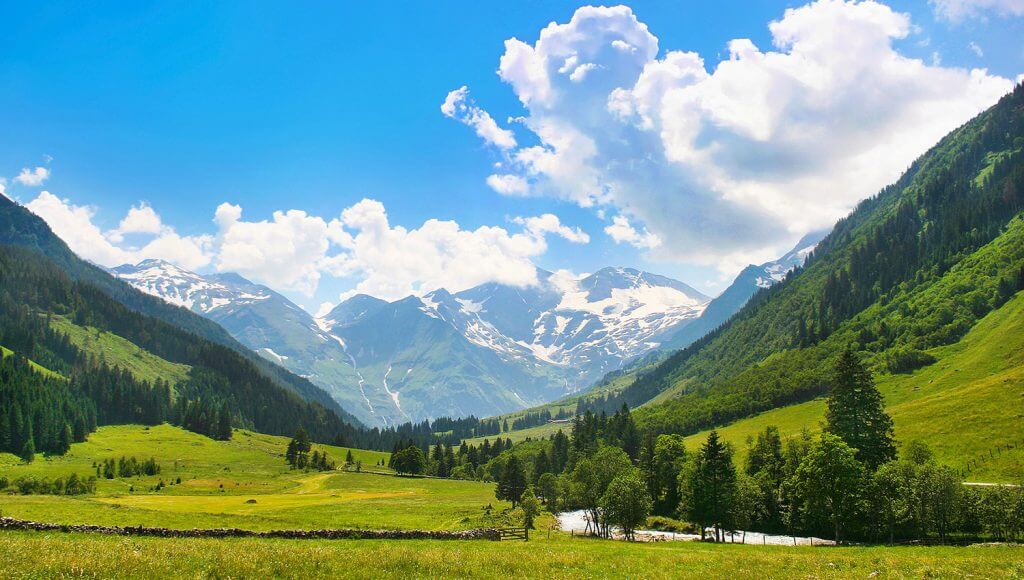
<point x="913" y="267"/>
<point x="223" y="387"/>
<point x="19" y="227"/>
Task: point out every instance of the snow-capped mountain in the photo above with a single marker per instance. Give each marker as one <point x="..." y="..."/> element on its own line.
<point x="483" y="351"/>
<point x="750" y="280"/>
<point x="256" y="316"/>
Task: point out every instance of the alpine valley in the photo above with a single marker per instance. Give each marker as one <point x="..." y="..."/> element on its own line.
<point x="487" y="350"/>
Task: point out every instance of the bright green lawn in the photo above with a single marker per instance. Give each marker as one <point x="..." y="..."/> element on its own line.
<point x="219" y="478"/>
<point x="967" y="406"/>
<point x="48" y="555"/>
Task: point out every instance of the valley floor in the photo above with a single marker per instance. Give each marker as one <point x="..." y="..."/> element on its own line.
<point x="244" y="483"/>
<point x="46" y="555"/>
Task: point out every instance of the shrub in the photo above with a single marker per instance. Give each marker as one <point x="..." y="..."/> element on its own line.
<point x="905" y="359"/>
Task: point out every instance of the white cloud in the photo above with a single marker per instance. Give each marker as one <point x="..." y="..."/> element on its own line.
<point x="3" y="188"/>
<point x="392" y="262"/>
<point x="549" y="223"/>
<point x="975" y="49"/>
<point x="295" y="250"/>
<point x="622" y="231"/>
<point x="33" y="177"/>
<point x="457" y="105"/>
<point x="738" y="160"/>
<point x="958" y="10"/>
<point x="285" y="252"/>
<point x="141" y="219"/>
<point x="508" y="184"/>
<point x="74" y="224"/>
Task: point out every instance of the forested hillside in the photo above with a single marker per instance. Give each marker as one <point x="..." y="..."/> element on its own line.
<point x="19" y="227"/>
<point x="222" y="388"/>
<point x="913" y="267"/>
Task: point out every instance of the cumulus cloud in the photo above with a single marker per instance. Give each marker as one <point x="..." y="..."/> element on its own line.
<point x="33" y="177"/>
<point x="294" y="250"/>
<point x="392" y="261"/>
<point x="622" y="231"/>
<point x="3" y="188"/>
<point x="958" y="10"/>
<point x="733" y="162"/>
<point x="141" y="219"/>
<point x="978" y="52"/>
<point x="287" y="250"/>
<point x="459" y="106"/>
<point x="74" y="224"/>
<point x="508" y="184"/>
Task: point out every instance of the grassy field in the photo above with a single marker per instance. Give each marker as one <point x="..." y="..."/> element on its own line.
<point x="121" y="352"/>
<point x="48" y="555"/>
<point x="968" y="406"/>
<point x="250" y="468"/>
<point x="241" y="483"/>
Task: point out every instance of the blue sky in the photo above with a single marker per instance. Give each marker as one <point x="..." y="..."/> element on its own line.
<point x="313" y="107"/>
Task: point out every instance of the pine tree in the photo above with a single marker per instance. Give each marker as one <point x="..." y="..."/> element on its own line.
<point x="28" y="452"/>
<point x="855" y="413"/>
<point x="710" y="486"/>
<point x="511" y="481"/>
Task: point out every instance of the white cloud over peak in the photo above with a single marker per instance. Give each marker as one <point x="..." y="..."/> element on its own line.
<point x="725" y="162"/>
<point x="33" y="177"/>
<point x="294" y="250"/>
<point x="74" y="224"/>
<point x="622" y="231"/>
<point x="392" y="261"/>
<point x="141" y="219"/>
<point x="459" y="106"/>
<point x="958" y="10"/>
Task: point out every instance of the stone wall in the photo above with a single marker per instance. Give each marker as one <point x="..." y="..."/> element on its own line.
<point x="339" y="534"/>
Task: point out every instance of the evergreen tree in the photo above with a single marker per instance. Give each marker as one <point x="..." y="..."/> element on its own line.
<point x="28" y="451"/>
<point x="511" y="481"/>
<point x="856" y="415"/>
<point x="710" y="486"/>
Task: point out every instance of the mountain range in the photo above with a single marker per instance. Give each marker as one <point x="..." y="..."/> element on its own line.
<point x="486" y="350"/>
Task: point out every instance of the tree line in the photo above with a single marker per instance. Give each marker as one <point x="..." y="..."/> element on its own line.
<point x="848" y="483"/>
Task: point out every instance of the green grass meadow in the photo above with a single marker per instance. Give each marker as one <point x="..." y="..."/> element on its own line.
<point x="51" y="555"/>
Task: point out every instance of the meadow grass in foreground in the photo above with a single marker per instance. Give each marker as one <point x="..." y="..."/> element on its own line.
<point x="47" y="555"/>
<point x="242" y="483"/>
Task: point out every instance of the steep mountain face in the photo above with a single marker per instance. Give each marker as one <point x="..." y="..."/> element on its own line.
<point x="748" y="282"/>
<point x="487" y="350"/>
<point x="496" y="348"/>
<point x="911" y="269"/>
<point x="261" y="319"/>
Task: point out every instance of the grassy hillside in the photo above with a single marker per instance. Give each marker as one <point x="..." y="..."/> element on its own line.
<point x="63" y="555"/>
<point x="117" y="351"/>
<point x="242" y="483"/>
<point x="6" y="352"/>
<point x="893" y="249"/>
<point x="968" y="406"/>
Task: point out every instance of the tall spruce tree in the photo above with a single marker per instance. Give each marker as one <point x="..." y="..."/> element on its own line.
<point x="709" y="488"/>
<point x="511" y="481"/>
<point x="855" y="413"/>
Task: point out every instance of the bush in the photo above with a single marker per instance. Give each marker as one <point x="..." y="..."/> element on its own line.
<point x="664" y="524"/>
<point x="74" y="485"/>
<point x="905" y="359"/>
